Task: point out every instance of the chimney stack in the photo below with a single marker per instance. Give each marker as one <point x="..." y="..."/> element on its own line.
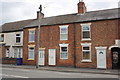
<point x="81" y="7"/>
<point x="40" y="15"/>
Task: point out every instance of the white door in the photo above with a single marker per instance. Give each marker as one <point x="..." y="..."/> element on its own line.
<point x="41" y="57"/>
<point x="52" y="57"/>
<point x="101" y="58"/>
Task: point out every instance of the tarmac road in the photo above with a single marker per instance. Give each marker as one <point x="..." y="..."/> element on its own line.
<point x="32" y="73"/>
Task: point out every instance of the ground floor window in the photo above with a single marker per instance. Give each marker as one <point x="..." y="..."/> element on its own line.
<point x="86" y="52"/>
<point x="7" y="51"/>
<point x="17" y="52"/>
<point x="63" y="51"/>
<point x="31" y="53"/>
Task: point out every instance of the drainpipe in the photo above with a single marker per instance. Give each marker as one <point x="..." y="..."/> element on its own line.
<point x="74" y="45"/>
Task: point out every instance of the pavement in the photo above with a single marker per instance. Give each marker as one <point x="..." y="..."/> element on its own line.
<point x="65" y="69"/>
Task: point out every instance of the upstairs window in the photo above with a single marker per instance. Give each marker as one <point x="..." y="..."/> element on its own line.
<point x="31" y="35"/>
<point x="18" y="37"/>
<point x="2" y="38"/>
<point x="86" y="31"/>
<point x="64" y="32"/>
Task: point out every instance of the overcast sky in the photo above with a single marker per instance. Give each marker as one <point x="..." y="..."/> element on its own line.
<point x="15" y="10"/>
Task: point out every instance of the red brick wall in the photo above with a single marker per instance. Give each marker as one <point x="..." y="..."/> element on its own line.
<point x="103" y="33"/>
<point x="25" y="47"/>
<point x="9" y="61"/>
<point x="50" y="39"/>
<point x="119" y="29"/>
<point x="2" y="50"/>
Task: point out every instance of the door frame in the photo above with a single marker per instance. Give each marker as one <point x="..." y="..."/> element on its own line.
<point x="101" y="48"/>
<point x="54" y="57"/>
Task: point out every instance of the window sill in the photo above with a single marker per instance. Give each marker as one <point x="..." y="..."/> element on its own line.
<point x="17" y="43"/>
<point x="2" y="42"/>
<point x="63" y="39"/>
<point x="30" y="59"/>
<point x="86" y="61"/>
<point x="86" y="39"/>
<point x="31" y="42"/>
<point x="63" y="58"/>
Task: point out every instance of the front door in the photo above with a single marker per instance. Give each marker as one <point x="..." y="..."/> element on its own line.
<point x="52" y="57"/>
<point x="115" y="60"/>
<point x="41" y="57"/>
<point x="101" y="58"/>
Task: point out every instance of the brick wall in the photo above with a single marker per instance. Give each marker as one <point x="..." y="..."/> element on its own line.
<point x="9" y="61"/>
<point x="103" y="33"/>
<point x="25" y="47"/>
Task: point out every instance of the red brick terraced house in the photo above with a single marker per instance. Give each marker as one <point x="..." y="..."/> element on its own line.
<point x="83" y="40"/>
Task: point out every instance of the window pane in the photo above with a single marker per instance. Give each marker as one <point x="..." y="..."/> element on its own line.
<point x="63" y="49"/>
<point x="64" y="53"/>
<point x="86" y="27"/>
<point x="86" y="48"/>
<point x="63" y="36"/>
<point x="86" y="55"/>
<point x="31" y="53"/>
<point x="15" y="52"/>
<point x="17" y="39"/>
<point x="7" y="52"/>
<point x="63" y="30"/>
<point x="2" y="38"/>
<point x="86" y="34"/>
<point x="31" y="35"/>
<point x="19" y="52"/>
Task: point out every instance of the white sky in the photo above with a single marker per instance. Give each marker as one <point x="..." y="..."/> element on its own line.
<point x="15" y="10"/>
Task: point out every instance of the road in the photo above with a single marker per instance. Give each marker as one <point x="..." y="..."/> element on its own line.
<point x="30" y="73"/>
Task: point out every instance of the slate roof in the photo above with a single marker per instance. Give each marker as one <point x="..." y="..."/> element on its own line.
<point x="75" y="18"/>
<point x="15" y="26"/>
<point x="62" y="19"/>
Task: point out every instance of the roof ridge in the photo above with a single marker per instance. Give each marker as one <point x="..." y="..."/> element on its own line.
<point x="103" y="10"/>
<point x="19" y="21"/>
<point x="77" y="13"/>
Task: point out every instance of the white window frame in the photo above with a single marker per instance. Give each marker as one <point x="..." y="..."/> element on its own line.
<point x="87" y="24"/>
<point x="33" y="53"/>
<point x="30" y="34"/>
<point x="18" y="37"/>
<point x="64" y="26"/>
<point x="7" y="52"/>
<point x="86" y="45"/>
<point x="63" y="45"/>
<point x="19" y="51"/>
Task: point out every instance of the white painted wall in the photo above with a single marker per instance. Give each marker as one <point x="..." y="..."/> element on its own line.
<point x="10" y="40"/>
